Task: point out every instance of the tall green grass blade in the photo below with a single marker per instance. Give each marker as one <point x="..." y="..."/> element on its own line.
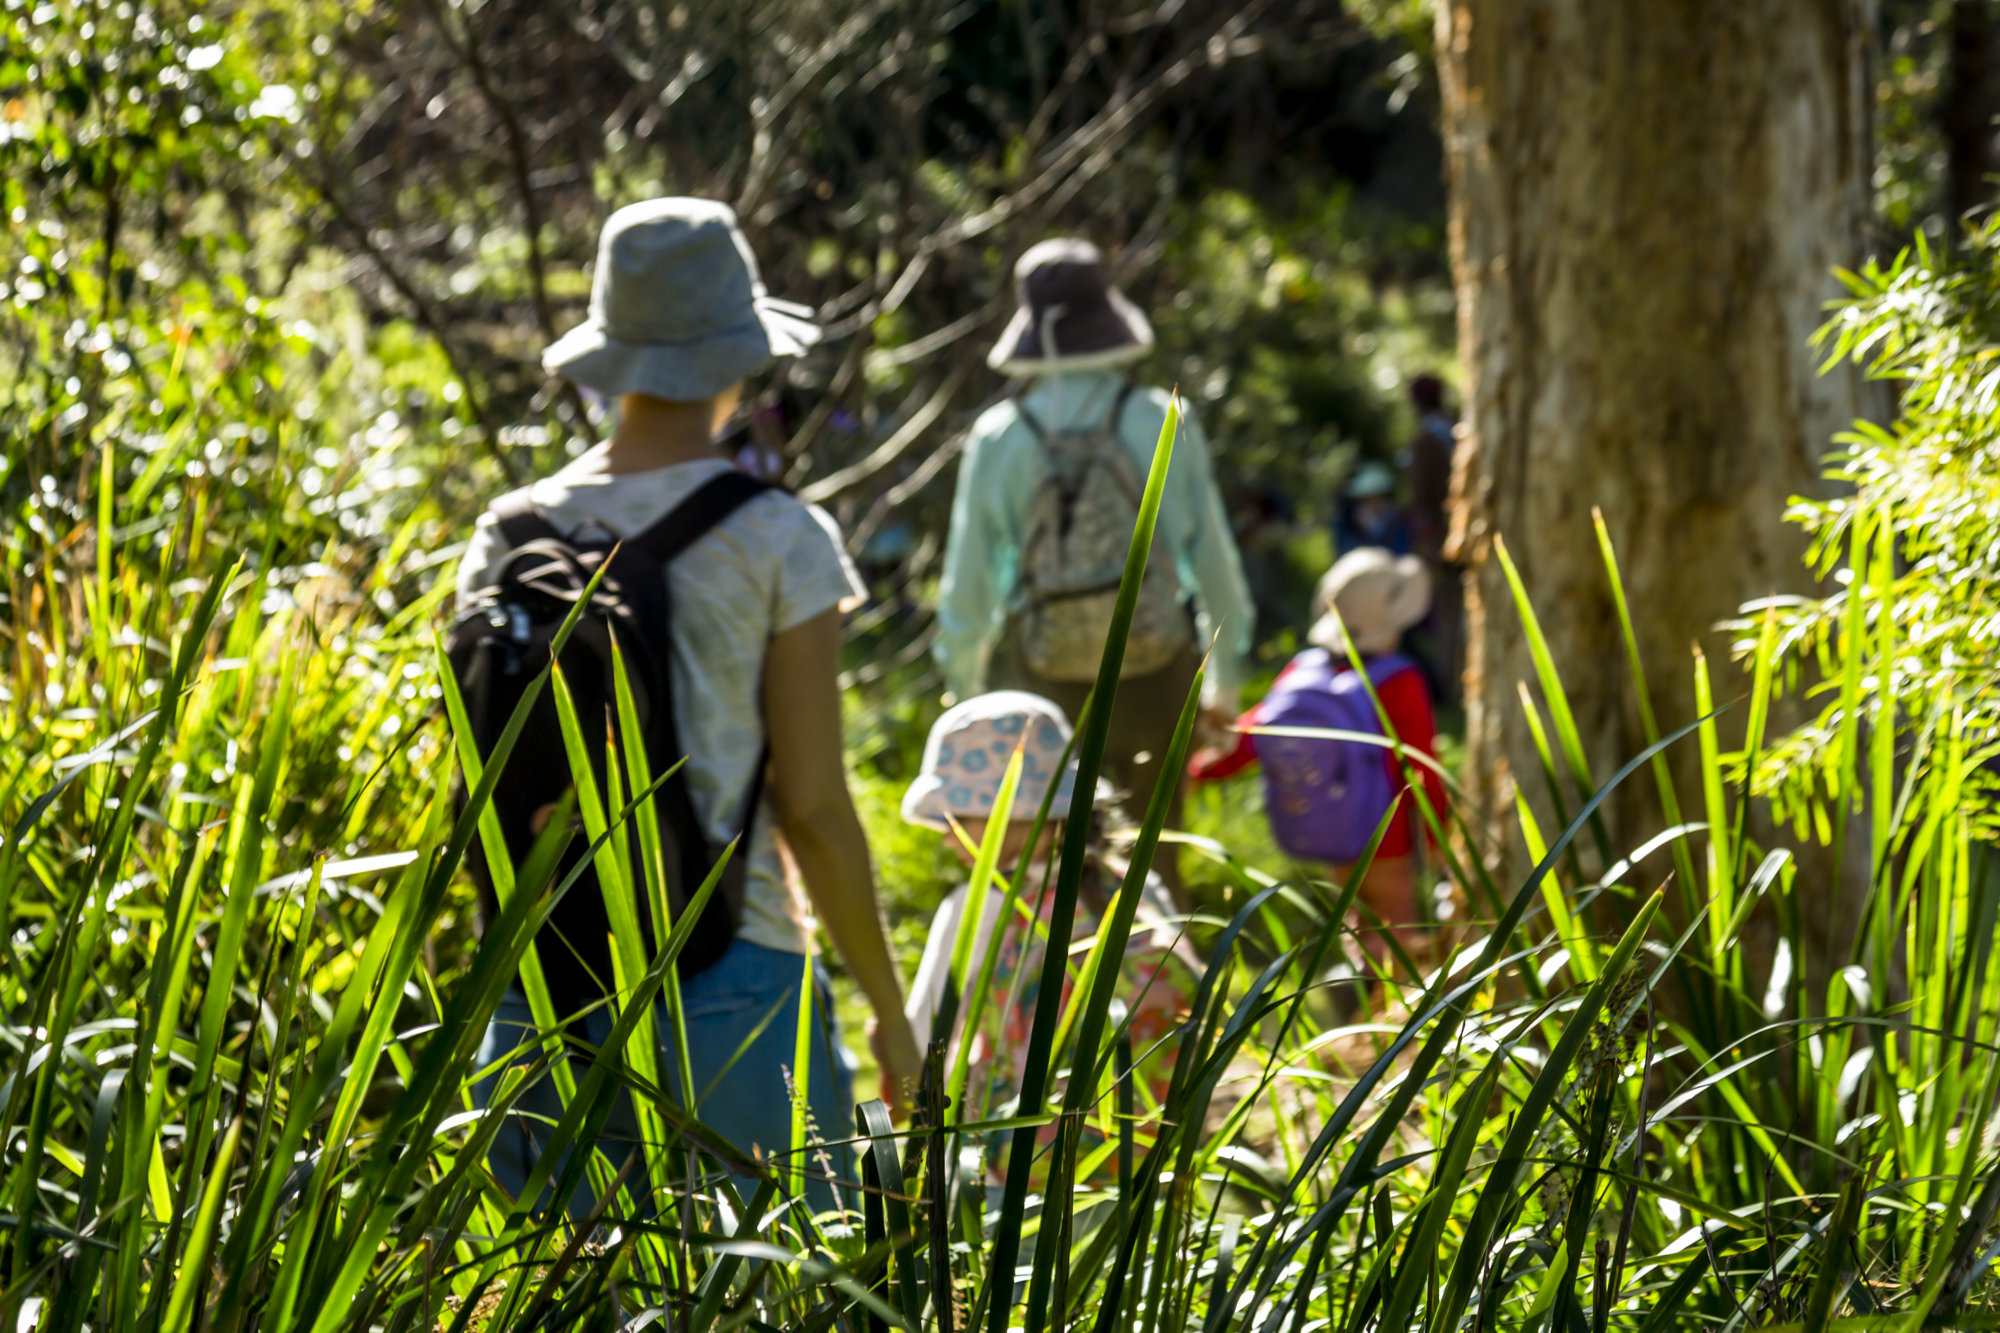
<point x="802" y="1045"/>
<point x="193" y="1274"/>
<point x="983" y="865"/>
<point x="595" y="1088"/>
<point x="1104" y="975"/>
<point x="1435" y="1212"/>
<point x="1580" y="1224"/>
<point x="975" y="998"/>
<point x="1667" y="1309"/>
<point x="659" y="901"/>
<point x="1090" y="759"/>
<point x="1855" y="631"/>
<point x="1663" y="778"/>
<point x="1882" y="802"/>
<point x="1833" y="1249"/>
<point x="1552" y="691"/>
<point x="1527" y="1121"/>
<point x="881" y="1149"/>
<point x="1721" y="856"/>
<point x="59" y="1022"/>
<point x="1532" y="715"/>
<point x="500" y="867"/>
<point x="248" y="831"/>
<point x="717" y="1281"/>
<point x="613" y="864"/>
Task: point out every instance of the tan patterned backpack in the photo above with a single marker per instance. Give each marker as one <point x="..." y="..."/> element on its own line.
<point x="1073" y="556"/>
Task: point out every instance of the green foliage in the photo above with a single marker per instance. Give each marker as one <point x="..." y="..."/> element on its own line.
<point x="1907" y="646"/>
<point x="263" y="1112"/>
<point x="1910" y="75"/>
<point x="1292" y="334"/>
<point x="241" y="997"/>
<point x="1411" y="20"/>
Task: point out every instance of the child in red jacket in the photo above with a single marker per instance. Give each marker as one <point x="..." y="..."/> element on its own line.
<point x="1369" y="598"/>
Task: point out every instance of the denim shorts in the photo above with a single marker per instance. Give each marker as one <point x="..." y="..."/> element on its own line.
<point x="748" y="1103"/>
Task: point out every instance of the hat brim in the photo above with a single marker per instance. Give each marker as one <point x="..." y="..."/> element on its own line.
<point x="1111" y="336"/>
<point x="924" y="802"/>
<point x="682" y="372"/>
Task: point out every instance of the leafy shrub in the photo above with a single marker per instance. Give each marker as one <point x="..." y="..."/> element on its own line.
<point x="1910" y="645"/>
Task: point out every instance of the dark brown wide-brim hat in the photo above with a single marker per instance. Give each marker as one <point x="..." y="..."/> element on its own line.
<point x="1071" y="317"/>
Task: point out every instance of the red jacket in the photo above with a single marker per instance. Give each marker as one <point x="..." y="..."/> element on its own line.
<point x="1406" y="698"/>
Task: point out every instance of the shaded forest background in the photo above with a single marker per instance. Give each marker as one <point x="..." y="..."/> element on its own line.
<point x="291" y="265"/>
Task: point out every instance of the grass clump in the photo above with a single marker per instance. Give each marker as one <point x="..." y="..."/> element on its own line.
<point x="241" y="1001"/>
<point x="239" y="1076"/>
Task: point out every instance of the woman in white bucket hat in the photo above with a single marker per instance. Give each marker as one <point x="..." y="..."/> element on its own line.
<point x="678" y="318"/>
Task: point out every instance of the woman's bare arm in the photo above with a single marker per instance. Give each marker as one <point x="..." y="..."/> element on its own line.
<point x="808" y="784"/>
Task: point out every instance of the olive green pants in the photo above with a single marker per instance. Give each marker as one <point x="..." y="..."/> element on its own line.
<point x="1143" y="717"/>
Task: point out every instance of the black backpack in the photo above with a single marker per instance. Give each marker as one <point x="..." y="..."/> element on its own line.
<point x="499" y="644"/>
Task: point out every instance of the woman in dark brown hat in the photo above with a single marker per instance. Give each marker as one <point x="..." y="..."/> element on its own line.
<point x="1046" y="496"/>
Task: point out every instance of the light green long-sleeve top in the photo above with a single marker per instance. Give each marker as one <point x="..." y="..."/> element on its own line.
<point x="997" y="478"/>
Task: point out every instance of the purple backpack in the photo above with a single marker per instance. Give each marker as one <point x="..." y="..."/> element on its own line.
<point x="1323" y="796"/>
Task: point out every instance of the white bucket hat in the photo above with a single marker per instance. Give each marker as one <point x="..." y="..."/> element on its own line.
<point x="1371" y="596"/>
<point x="676" y="307"/>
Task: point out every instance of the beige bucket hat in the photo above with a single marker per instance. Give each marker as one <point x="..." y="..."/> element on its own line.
<point x="1370" y="596"/>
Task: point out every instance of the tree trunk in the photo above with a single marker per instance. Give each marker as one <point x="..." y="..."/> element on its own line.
<point x="1965" y="117"/>
<point x="1647" y="201"/>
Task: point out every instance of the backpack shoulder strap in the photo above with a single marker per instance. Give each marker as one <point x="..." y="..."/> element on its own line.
<point x="693" y="518"/>
<point x="1387" y="666"/>
<point x="682" y="526"/>
<point x="1029" y="420"/>
<point x="521" y="520"/>
<point x="1117" y="417"/>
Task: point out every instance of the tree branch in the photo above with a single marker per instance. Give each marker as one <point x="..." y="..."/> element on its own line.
<point x="426" y="316"/>
<point x="892" y="448"/>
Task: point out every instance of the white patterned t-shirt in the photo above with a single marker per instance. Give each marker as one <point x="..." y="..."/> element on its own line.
<point x="772" y="565"/>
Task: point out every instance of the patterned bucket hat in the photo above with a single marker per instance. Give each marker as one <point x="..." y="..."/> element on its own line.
<point x="967" y="753"/>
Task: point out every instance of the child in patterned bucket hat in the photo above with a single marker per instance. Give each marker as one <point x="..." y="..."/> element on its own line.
<point x="967" y="754"/>
<point x="965" y="760"/>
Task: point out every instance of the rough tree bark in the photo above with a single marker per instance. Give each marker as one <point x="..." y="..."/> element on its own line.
<point x="1647" y="202"/>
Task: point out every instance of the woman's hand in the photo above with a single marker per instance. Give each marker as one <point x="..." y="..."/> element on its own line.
<point x="900" y="1062"/>
<point x="808" y="785"/>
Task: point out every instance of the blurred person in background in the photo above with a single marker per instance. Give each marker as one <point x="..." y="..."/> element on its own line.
<point x="1366" y="513"/>
<point x="1262" y="516"/>
<point x="1427" y="461"/>
<point x="1047" y="495"/>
